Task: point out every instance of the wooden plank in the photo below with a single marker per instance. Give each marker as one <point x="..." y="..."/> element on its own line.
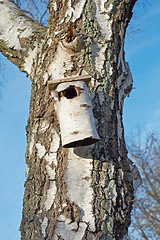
<point x="52" y="83"/>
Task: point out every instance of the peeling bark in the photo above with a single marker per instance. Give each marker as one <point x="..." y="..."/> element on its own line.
<point x="86" y="192"/>
<point x="20" y="41"/>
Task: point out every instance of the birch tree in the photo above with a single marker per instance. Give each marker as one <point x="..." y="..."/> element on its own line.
<point x="85" y="192"/>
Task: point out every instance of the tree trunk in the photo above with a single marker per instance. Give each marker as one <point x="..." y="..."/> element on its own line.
<point x="86" y="192"/>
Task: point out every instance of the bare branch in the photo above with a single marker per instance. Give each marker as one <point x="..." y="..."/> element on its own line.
<point x="34" y="8"/>
<point x="43" y="15"/>
<point x="17" y="32"/>
<point x="146" y="154"/>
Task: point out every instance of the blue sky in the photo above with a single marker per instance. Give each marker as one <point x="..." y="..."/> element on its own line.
<point x="143" y="54"/>
<point x="141" y="108"/>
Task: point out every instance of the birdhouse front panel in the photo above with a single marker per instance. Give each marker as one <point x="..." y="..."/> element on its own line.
<point x="75" y="114"/>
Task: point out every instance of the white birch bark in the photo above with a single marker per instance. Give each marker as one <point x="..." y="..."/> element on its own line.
<point x="19" y="35"/>
<point x="86" y="192"/>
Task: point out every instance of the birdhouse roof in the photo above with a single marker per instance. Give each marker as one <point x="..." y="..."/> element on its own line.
<point x="54" y="82"/>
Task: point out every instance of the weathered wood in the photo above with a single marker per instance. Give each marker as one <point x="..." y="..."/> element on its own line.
<point x="53" y="83"/>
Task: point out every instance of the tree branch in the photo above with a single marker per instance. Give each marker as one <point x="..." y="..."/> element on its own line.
<point x="18" y="33"/>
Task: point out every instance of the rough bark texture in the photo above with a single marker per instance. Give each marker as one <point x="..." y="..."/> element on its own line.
<point x="87" y="192"/>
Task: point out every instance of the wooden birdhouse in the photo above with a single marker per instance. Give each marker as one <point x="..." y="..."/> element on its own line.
<point x="74" y="111"/>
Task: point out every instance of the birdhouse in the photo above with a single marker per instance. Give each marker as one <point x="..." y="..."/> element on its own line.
<point x="74" y="111"/>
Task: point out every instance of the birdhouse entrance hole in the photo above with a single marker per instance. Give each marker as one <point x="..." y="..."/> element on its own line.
<point x="70" y="92"/>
